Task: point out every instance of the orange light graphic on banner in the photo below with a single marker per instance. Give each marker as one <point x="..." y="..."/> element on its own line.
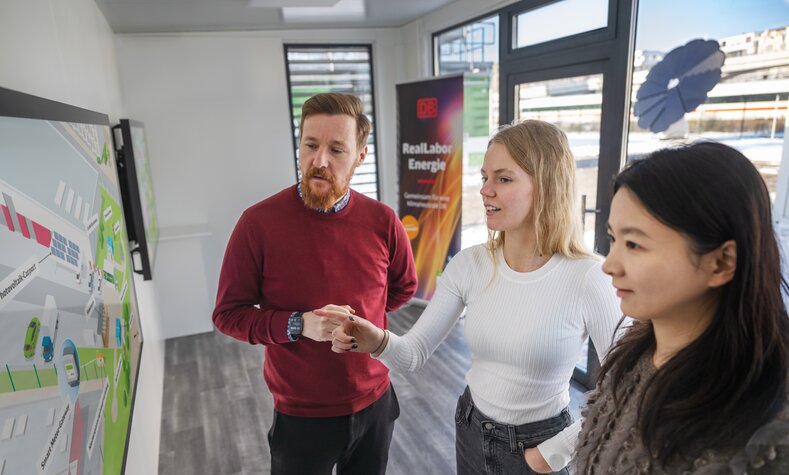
<point x="437" y="226"/>
<point x="430" y="149"/>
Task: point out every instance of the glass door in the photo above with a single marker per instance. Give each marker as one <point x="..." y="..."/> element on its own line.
<point x="574" y="105"/>
<point x="573" y="99"/>
<point x="578" y="78"/>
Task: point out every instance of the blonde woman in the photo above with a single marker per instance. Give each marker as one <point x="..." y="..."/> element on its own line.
<point x="532" y="294"/>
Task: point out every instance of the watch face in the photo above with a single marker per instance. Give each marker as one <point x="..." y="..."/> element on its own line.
<point x="294" y="326"/>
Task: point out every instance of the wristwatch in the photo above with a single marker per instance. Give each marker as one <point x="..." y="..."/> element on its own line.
<point x="295" y="324"/>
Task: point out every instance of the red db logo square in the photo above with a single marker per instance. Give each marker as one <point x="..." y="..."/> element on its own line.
<point x="426" y="108"/>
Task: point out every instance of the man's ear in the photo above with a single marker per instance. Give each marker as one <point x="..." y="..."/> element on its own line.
<point x="723" y="264"/>
<point x="362" y="156"/>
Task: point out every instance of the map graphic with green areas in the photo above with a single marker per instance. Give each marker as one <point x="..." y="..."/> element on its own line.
<point x="70" y="337"/>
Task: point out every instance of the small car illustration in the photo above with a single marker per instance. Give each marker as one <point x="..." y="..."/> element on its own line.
<point x="118" y="332"/>
<point x="47" y="347"/>
<point x="31" y="338"/>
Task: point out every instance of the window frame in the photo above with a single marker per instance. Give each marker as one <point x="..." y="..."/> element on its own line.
<point x="373" y="113"/>
<point x="578" y="40"/>
<point x="435" y="35"/>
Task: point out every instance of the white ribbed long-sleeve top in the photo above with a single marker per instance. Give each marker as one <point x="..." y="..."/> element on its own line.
<point x="525" y="331"/>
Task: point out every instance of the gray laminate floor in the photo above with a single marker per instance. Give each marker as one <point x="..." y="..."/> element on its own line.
<point x="217" y="410"/>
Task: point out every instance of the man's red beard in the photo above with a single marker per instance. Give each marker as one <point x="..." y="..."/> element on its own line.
<point x="322" y="199"/>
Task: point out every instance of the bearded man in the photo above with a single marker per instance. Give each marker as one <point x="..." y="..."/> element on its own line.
<point x="297" y="265"/>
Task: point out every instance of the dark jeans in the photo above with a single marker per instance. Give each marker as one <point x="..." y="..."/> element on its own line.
<point x="484" y="446"/>
<point x="357" y="444"/>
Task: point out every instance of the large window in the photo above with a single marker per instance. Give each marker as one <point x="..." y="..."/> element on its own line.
<point x="566" y="18"/>
<point x="473" y="50"/>
<point x="336" y="68"/>
<point x="574" y="104"/>
<point x="743" y="50"/>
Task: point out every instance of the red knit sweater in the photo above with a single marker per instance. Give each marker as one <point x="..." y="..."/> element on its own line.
<point x="286" y="258"/>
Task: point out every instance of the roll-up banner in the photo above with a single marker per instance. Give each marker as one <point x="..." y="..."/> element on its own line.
<point x="430" y="149"/>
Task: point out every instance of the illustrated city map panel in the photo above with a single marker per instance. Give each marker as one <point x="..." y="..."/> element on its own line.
<point x="70" y="337"/>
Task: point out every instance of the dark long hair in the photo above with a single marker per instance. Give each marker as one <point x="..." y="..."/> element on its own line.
<point x="719" y="389"/>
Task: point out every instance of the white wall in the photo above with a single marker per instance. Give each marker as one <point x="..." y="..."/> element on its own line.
<point x="61" y="51"/>
<point x="215" y="107"/>
<point x="216" y="116"/>
<point x="64" y="51"/>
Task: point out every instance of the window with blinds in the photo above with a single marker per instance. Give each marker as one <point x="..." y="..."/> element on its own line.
<point x="313" y="69"/>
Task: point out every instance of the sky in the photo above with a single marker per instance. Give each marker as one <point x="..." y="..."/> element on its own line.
<point x="665" y="24"/>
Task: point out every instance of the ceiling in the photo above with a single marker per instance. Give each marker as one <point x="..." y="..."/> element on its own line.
<point x="160" y="16"/>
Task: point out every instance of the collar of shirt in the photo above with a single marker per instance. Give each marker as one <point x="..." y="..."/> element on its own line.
<point x="338" y="206"/>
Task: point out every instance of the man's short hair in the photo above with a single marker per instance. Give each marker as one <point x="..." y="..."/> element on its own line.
<point x="334" y="103"/>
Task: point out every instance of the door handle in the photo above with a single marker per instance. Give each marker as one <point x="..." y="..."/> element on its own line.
<point x="585" y="210"/>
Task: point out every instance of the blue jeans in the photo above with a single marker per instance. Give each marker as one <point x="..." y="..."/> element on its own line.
<point x="484" y="446"/>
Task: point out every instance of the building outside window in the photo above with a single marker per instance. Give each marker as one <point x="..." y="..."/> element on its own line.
<point x="473" y="50"/>
<point x="746" y="108"/>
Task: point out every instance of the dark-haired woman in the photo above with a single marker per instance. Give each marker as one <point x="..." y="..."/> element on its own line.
<point x="698" y="384"/>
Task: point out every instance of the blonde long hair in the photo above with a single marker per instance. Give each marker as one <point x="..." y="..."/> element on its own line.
<point x="542" y="151"/>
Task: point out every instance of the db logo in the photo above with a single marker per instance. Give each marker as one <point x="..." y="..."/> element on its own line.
<point x="426" y="108"/>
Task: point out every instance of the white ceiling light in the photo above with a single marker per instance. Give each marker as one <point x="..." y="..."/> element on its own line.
<point x="290" y="3"/>
<point x="342" y="10"/>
